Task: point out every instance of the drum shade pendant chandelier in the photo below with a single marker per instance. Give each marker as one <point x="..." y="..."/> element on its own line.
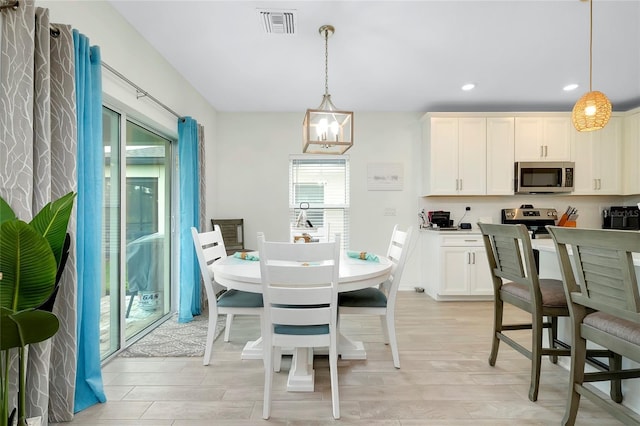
<point x="327" y="130"/>
<point x="593" y="109"/>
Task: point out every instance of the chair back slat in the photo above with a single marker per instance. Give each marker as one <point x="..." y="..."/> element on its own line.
<point x="292" y="295"/>
<point x="312" y="316"/>
<point x="603" y="274"/>
<point x="508" y="258"/>
<point x="298" y="274"/>
<point x="509" y="253"/>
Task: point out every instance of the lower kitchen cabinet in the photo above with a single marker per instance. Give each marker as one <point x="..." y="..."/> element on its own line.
<point x="455" y="266"/>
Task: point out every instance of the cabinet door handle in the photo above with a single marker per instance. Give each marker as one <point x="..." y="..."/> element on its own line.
<point x="460" y="184"/>
<point x="595" y="184"/>
<point x="546" y="153"/>
<point x="468" y="258"/>
<point x="599" y="184"/>
<point x="541" y="150"/>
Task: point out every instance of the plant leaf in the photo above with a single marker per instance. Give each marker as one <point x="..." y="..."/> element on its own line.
<point x="26" y="327"/>
<point x="27" y="264"/>
<point x="52" y="222"/>
<point x="6" y="212"/>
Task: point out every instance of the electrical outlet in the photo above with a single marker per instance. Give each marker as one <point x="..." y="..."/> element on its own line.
<point x="389" y="211"/>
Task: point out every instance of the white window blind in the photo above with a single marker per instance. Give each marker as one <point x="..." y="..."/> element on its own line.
<point x="321" y="183"/>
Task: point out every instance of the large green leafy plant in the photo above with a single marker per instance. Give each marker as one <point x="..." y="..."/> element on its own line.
<point x="30" y="254"/>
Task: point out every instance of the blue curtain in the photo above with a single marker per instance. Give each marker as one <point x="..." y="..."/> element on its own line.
<point x="189" y="216"/>
<point x="89" y="388"/>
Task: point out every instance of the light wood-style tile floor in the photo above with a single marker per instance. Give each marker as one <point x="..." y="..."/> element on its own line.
<point x="445" y="379"/>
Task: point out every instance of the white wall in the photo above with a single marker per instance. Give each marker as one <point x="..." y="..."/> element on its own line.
<point x="252" y="163"/>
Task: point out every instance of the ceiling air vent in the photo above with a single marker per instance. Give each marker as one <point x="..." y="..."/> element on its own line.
<point x="277" y="21"/>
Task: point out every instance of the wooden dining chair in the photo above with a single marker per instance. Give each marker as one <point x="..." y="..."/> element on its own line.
<point x="232" y="233"/>
<point x="210" y="247"/>
<point x="604" y="305"/>
<point x="300" y="292"/>
<point x="516" y="282"/>
<point x="381" y="300"/>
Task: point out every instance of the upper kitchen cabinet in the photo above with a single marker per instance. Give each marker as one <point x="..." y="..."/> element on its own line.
<point x="455" y="153"/>
<point x="598" y="158"/>
<point x="500" y="155"/>
<point x="543" y="138"/>
<point x="631" y="149"/>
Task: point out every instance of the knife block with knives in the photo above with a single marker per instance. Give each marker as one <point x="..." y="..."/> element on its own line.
<point x="568" y="218"/>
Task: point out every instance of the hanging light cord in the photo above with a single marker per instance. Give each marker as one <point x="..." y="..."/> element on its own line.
<point x="590" y="44"/>
<point x="326" y="61"/>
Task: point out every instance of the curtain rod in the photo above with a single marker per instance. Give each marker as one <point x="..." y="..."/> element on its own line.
<point x="4" y="4"/>
<point x="14" y="4"/>
<point x="140" y="93"/>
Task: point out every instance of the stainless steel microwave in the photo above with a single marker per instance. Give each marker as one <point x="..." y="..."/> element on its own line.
<point x="543" y="177"/>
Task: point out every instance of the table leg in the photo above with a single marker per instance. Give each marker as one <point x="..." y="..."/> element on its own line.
<point x="252" y="350"/>
<point x="301" y="376"/>
<point x="350" y="349"/>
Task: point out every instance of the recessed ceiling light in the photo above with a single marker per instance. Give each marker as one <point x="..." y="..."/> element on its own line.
<point x="468" y="86"/>
<point x="570" y="87"/>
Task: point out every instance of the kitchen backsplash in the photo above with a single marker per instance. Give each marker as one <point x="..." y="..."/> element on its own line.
<point x="482" y="208"/>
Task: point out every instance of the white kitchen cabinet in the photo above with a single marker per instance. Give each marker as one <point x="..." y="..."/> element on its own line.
<point x="455" y="154"/>
<point x="455" y="266"/>
<point x="598" y="158"/>
<point x="500" y="155"/>
<point x="543" y="138"/>
<point x="631" y="149"/>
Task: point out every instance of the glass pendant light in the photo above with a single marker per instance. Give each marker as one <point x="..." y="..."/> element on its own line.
<point x="327" y="130"/>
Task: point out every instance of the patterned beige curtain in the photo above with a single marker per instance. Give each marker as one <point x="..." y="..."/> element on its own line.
<point x="38" y="164"/>
<point x="202" y="171"/>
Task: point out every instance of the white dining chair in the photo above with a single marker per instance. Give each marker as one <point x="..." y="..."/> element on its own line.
<point x="381" y="300"/>
<point x="209" y="248"/>
<point x="299" y="288"/>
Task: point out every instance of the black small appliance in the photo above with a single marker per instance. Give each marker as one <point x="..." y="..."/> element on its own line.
<point x="619" y="217"/>
<point x="440" y="219"/>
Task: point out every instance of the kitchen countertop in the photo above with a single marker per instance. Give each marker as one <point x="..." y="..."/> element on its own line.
<point x="547" y="245"/>
<point x="474" y="231"/>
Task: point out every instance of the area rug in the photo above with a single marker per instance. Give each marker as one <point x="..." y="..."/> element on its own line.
<point x="174" y="339"/>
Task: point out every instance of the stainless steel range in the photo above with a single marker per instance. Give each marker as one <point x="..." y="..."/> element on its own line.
<point x="535" y="219"/>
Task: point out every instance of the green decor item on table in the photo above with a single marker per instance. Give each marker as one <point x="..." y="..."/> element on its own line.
<point x="246" y="255"/>
<point x="363" y="255"/>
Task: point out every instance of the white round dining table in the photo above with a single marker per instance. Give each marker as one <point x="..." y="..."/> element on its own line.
<point x="235" y="273"/>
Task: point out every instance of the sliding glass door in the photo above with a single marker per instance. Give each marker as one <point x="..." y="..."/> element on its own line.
<point x="137" y="231"/>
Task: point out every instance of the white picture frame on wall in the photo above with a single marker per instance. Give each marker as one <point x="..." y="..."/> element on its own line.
<point x="385" y="176"/>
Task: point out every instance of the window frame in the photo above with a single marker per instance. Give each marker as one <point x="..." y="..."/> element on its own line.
<point x="334" y="165"/>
